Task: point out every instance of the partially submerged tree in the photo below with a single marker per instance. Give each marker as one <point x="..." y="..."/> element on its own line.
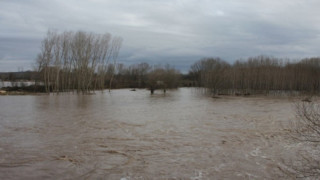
<point x="77" y="60"/>
<point x="163" y="78"/>
<point x="260" y="74"/>
<point x="211" y="73"/>
<point x="114" y="52"/>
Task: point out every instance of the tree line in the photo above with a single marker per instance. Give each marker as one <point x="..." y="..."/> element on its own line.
<point x="143" y="75"/>
<point x="257" y="75"/>
<point x="84" y="62"/>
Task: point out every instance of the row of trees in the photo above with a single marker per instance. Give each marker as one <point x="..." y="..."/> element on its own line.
<point x="85" y="61"/>
<point x="77" y="60"/>
<point x="261" y="74"/>
<point x="143" y="75"/>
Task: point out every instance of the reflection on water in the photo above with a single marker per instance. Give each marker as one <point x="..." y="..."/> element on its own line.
<point x="134" y="135"/>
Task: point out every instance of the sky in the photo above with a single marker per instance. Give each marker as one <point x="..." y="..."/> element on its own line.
<point x="177" y="32"/>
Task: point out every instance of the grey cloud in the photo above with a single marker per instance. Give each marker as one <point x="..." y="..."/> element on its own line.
<point x="178" y="32"/>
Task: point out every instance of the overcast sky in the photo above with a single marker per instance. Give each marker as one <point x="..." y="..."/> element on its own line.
<point x="177" y="32"/>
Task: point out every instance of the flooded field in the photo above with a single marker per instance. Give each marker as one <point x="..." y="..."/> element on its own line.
<point x="134" y="135"/>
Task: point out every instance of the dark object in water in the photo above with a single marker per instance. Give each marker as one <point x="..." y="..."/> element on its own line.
<point x="307" y="99"/>
<point x="133" y="90"/>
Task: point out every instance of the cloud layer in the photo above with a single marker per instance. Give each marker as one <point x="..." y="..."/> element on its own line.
<point x="178" y="32"/>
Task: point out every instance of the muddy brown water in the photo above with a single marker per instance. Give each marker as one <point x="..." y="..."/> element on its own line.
<point x="134" y="135"/>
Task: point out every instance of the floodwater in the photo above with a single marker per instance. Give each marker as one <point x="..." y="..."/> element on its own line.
<point x="134" y="135"/>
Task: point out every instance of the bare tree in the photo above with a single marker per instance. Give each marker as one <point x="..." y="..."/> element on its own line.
<point x="76" y="61"/>
<point x="211" y="73"/>
<point x="261" y="74"/>
<point x="114" y="52"/>
<point x="306" y="130"/>
<point x="163" y="78"/>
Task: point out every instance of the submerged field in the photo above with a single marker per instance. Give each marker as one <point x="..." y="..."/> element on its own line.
<point x="134" y="135"/>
